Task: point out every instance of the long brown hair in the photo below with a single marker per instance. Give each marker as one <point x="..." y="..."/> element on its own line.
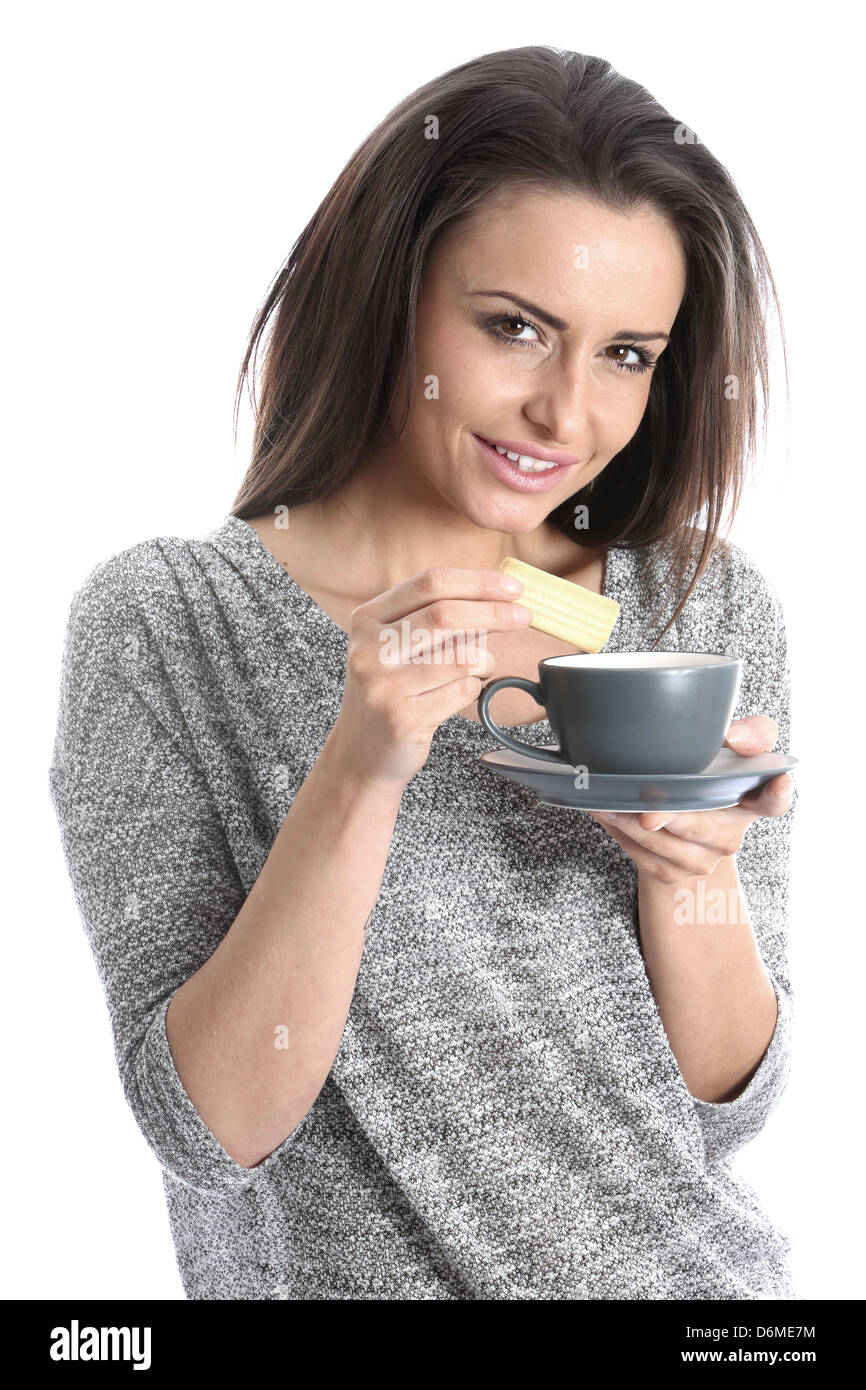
<point x="344" y="302"/>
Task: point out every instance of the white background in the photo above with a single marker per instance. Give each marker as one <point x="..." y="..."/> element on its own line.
<point x="160" y="160"/>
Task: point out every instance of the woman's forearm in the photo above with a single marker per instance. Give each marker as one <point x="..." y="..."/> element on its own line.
<point x="255" y="1030"/>
<point x="716" y="1001"/>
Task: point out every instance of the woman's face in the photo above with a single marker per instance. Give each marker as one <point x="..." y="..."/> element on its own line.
<point x="492" y="366"/>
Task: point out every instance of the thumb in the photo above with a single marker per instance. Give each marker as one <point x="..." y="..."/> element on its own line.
<point x="757" y="733"/>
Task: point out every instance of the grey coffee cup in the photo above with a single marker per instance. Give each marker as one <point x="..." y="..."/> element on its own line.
<point x="632" y="712"/>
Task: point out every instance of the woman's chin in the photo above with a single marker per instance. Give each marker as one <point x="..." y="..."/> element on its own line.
<point x="512" y="514"/>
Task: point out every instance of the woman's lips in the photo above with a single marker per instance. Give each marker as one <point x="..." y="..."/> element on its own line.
<point x="508" y="472"/>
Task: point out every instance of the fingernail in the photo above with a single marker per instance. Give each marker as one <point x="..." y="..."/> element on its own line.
<point x="512" y="586"/>
<point x="523" y="615"/>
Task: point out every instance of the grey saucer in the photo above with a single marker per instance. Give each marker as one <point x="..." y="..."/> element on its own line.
<point x="727" y="779"/>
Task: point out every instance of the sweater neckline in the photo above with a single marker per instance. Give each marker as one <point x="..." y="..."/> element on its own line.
<point x="329" y="641"/>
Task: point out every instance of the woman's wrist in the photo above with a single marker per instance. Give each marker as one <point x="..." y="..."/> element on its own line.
<point x="350" y="775"/>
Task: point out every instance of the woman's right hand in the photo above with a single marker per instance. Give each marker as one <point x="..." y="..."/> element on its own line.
<point x="392" y="704"/>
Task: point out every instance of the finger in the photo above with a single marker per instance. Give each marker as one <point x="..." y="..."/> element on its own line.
<point x="432" y="671"/>
<point x="447" y="698"/>
<point x="690" y="856"/>
<point x="432" y="585"/>
<point x="644" y="859"/>
<point x="415" y="646"/>
<point x="448" y="621"/>
<point x="714" y="829"/>
<point x="757" y="733"/>
<point x="773" y="798"/>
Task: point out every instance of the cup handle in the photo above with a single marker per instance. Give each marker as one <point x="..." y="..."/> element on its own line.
<point x="532" y="688"/>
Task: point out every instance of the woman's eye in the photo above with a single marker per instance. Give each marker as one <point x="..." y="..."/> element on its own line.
<point x="516" y="323"/>
<point x="643" y="362"/>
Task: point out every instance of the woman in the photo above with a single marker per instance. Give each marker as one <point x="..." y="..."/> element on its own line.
<point x="393" y="1027"/>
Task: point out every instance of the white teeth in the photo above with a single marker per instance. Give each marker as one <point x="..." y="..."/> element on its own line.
<point x="525" y="462"/>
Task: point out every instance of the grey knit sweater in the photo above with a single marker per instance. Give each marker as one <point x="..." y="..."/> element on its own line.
<point x="505" y="1118"/>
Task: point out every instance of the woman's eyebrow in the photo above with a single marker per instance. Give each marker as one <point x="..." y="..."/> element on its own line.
<point x="560" y="324"/>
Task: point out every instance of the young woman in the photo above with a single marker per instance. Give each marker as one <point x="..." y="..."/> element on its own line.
<point x="394" y="1028"/>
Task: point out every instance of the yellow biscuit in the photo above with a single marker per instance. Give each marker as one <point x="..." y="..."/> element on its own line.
<point x="563" y="609"/>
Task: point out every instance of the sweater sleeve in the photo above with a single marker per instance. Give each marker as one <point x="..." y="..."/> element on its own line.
<point x="764" y="857"/>
<point x="151" y="871"/>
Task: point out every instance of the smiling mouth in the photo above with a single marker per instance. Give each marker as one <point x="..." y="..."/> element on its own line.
<point x="526" y="463"/>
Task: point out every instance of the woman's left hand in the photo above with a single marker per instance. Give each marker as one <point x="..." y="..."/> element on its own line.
<point x="690" y="844"/>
